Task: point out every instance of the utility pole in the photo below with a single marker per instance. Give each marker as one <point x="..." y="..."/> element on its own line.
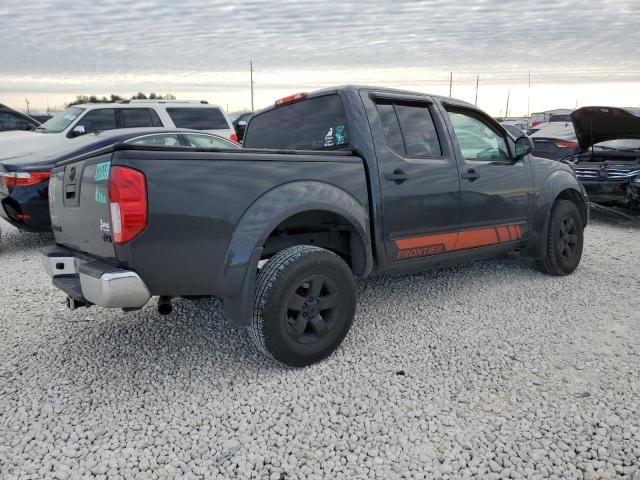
<point x="477" y="81"/>
<point x="27" y="102"/>
<point x="506" y="110"/>
<point x="529" y="97"/>
<point x="251" y="67"/>
<point x="450" y="82"/>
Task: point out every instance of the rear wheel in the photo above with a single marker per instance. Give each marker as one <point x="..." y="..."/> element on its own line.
<point x="304" y="304"/>
<point x="565" y="239"/>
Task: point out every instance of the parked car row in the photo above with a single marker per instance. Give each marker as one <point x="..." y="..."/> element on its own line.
<point x="24" y="179"/>
<point x="601" y="143"/>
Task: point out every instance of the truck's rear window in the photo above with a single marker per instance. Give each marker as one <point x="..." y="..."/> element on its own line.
<point x="201" y="118"/>
<point x="318" y="123"/>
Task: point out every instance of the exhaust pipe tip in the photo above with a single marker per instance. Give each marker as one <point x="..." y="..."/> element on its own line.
<point x="164" y="305"/>
<point x="73" y="304"/>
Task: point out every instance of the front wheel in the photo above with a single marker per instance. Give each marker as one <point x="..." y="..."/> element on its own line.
<point x="565" y="239"/>
<point x="303" y="305"/>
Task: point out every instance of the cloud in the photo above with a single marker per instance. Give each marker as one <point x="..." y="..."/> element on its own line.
<point x="114" y="37"/>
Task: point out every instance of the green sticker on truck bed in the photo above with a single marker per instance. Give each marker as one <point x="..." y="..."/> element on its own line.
<point x="340" y="137"/>
<point x="102" y="171"/>
<point x="101" y="195"/>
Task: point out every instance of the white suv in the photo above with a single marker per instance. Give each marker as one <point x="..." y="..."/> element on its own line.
<point x="93" y="117"/>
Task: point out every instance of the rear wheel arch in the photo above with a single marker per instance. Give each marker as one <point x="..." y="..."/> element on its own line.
<point x="254" y="234"/>
<point x="325" y="229"/>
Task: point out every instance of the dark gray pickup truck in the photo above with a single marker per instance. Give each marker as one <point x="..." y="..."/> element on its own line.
<point x="341" y="183"/>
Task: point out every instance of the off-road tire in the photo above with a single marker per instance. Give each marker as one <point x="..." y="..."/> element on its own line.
<point x="287" y="279"/>
<point x="565" y="239"/>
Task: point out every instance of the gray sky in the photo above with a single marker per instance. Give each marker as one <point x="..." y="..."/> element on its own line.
<point x="56" y="49"/>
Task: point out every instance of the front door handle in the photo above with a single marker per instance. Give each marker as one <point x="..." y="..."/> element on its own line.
<point x="397" y="176"/>
<point x="470" y="175"/>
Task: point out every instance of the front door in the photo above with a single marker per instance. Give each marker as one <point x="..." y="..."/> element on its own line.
<point x="418" y="176"/>
<point x="495" y="189"/>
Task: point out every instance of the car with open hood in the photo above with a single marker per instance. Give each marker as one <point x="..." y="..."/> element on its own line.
<point x="608" y="160"/>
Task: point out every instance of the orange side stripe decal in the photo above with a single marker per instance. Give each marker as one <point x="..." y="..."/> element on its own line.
<point x="464" y="239"/>
<point x="477" y="238"/>
<point x="447" y="239"/>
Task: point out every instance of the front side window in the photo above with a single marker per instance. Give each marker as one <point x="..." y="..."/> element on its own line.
<point x="98" y="120"/>
<point x="159" y="140"/>
<point x="139" y="117"/>
<point x="200" y="118"/>
<point x="476" y="139"/>
<point x="207" y="141"/>
<point x="60" y="121"/>
<point x="319" y="123"/>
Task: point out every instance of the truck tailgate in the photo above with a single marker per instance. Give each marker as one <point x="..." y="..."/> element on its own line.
<point x="78" y="200"/>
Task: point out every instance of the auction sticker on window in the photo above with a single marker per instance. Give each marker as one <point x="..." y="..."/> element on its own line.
<point x="102" y="171"/>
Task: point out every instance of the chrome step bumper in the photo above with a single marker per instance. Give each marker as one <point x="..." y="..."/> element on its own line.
<point x="93" y="281"/>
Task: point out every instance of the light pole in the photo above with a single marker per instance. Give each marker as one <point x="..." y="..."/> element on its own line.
<point x="251" y="68"/>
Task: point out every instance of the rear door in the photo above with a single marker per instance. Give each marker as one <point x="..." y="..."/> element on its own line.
<point x="496" y="190"/>
<point x="418" y="177"/>
<point x="78" y="200"/>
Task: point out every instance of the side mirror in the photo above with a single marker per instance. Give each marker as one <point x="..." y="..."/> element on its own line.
<point x="524" y="146"/>
<point x="78" y="130"/>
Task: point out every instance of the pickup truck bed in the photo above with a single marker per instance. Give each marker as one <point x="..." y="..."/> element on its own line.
<point x="378" y="181"/>
<point x="209" y="205"/>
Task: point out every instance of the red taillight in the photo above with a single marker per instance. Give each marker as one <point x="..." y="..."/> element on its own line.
<point x="565" y="144"/>
<point x="233" y="137"/>
<point x="290" y="99"/>
<point x="24" y="179"/>
<point x="127" y="203"/>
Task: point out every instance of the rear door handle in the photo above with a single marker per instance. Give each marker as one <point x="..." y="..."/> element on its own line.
<point x="397" y="176"/>
<point x="470" y="175"/>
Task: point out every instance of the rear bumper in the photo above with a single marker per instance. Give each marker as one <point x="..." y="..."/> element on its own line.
<point x="27" y="208"/>
<point x="93" y="281"/>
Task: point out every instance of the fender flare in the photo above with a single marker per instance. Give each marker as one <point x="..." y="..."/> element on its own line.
<point x="556" y="183"/>
<point x="264" y="215"/>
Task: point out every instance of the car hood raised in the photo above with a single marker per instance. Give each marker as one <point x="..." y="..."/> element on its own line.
<point x="19" y="143"/>
<point x="599" y="124"/>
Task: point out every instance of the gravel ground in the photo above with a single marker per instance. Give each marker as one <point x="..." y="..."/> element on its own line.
<point x="490" y="370"/>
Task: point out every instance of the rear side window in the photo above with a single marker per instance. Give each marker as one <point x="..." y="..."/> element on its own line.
<point x="98" y="120"/>
<point x="198" y="118"/>
<point x="409" y="129"/>
<point x="559" y="118"/>
<point x="139" y="117"/>
<point x="318" y="123"/>
<point x="11" y="121"/>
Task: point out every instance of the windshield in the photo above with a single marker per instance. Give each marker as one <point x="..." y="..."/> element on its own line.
<point x="620" y="144"/>
<point x="61" y="121"/>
